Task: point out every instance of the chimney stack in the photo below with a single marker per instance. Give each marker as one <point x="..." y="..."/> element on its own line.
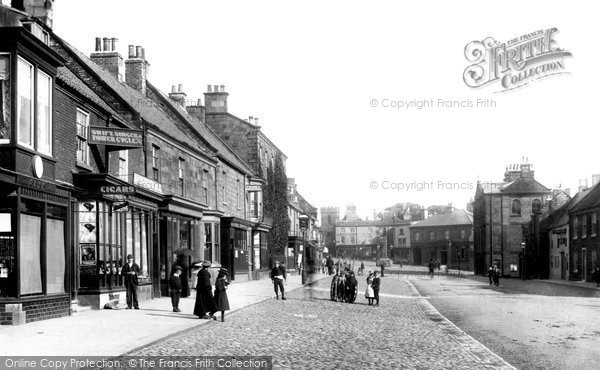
<point x="595" y="179"/>
<point x="198" y="111"/>
<point x="107" y="56"/>
<point x="583" y="184"/>
<point x="137" y="69"/>
<point x="216" y="99"/>
<point x="178" y="95"/>
<point x="41" y="9"/>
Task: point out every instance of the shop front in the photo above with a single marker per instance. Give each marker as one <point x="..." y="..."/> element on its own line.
<point x="34" y="252"/>
<point x="112" y="219"/>
<point x="236" y="256"/>
<point x="181" y="239"/>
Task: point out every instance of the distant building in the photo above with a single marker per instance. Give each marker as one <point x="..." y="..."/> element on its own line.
<point x="329" y="217"/>
<point x="366" y="239"/>
<point x="584" y="239"/>
<point x="447" y="237"/>
<point x="501" y="212"/>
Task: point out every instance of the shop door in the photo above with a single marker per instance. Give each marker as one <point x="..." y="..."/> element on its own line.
<point x="563" y="269"/>
<point x="444" y="258"/>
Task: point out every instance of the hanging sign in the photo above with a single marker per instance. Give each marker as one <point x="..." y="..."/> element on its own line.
<point x="115" y="137"/>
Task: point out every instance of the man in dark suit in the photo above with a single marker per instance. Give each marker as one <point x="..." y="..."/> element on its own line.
<point x="131" y="271"/>
<point x="278" y="276"/>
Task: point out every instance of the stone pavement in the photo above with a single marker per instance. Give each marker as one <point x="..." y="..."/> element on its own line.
<point x="101" y="332"/>
<point x="308" y="331"/>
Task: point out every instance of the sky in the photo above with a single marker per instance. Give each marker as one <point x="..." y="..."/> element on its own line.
<point x="313" y="71"/>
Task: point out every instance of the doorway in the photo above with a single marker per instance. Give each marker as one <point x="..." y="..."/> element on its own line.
<point x="584" y="264"/>
<point x="563" y="269"/>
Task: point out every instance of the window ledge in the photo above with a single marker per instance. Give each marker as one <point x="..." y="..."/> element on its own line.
<point x="84" y="166"/>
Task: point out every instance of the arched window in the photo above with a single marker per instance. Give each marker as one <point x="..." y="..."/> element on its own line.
<point x="536" y="206"/>
<point x="516" y="207"/>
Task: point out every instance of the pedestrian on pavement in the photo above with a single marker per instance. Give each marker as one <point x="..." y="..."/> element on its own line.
<point x="278" y="277"/>
<point x="185" y="285"/>
<point x="496" y="277"/>
<point x="175" y="288"/>
<point x="362" y="268"/>
<point x="369" y="294"/>
<point x="491" y="274"/>
<point x="131" y="270"/>
<point x="382" y="268"/>
<point x="205" y="302"/>
<point x="330" y="265"/>
<point x="221" y="292"/>
<point x="376" y="284"/>
<point x="431" y="267"/>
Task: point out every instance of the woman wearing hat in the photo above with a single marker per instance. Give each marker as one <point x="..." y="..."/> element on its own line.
<point x="221" y="292"/>
<point x="205" y="302"/>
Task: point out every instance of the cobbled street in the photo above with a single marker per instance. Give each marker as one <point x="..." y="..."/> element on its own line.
<point x="309" y="331"/>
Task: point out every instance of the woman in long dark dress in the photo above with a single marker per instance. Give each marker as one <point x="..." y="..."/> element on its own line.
<point x="221" y="292"/>
<point x="205" y="302"/>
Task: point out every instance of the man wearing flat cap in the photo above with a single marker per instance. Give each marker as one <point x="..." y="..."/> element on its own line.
<point x="278" y="276"/>
<point x="131" y="270"/>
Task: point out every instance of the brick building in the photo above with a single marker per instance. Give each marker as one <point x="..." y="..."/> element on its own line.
<point x="445" y="237"/>
<point x="304" y="245"/>
<point x="501" y="212"/>
<point x="584" y="239"/>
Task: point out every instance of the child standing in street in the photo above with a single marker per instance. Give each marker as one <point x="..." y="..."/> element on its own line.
<point x="175" y="288"/>
<point x="221" y="292"/>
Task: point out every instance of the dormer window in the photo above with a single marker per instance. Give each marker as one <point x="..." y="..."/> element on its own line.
<point x="38" y="32"/>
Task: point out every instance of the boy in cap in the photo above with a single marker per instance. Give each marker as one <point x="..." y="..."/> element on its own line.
<point x="175" y="287"/>
<point x="278" y="276"/>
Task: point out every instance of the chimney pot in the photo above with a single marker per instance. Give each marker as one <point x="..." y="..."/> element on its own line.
<point x="138" y="51"/>
<point x="98" y="44"/>
<point x="106" y="44"/>
<point x="172" y="88"/>
<point x="179" y="88"/>
<point x="199" y="102"/>
<point x="256" y="121"/>
<point x="216" y="88"/>
<point x="143" y="53"/>
<point x="113" y="44"/>
<point x="208" y="88"/>
<point x="222" y="88"/>
<point x="131" y="51"/>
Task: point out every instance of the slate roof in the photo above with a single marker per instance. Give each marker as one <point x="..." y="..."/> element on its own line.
<point x="456" y="217"/>
<point x="524" y="185"/>
<point x="148" y="111"/>
<point x="591" y="199"/>
<point x="561" y="215"/>
<point x="377" y="223"/>
<point x="223" y="150"/>
<point x="65" y="75"/>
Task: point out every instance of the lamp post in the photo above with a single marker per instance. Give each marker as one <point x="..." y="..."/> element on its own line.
<point x="304" y="226"/>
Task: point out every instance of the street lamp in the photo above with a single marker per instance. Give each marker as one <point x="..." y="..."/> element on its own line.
<point x="303" y="226"/>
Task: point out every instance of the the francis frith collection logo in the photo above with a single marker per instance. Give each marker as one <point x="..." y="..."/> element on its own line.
<point x="514" y="63"/>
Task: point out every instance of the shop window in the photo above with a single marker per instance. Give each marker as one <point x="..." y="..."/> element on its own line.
<point x="83" y="124"/>
<point x="34" y="126"/>
<point x="30" y="267"/>
<point x="5" y="101"/>
<point x="217" y="242"/>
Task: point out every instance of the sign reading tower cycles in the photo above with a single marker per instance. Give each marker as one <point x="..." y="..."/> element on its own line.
<point x="115" y="137"/>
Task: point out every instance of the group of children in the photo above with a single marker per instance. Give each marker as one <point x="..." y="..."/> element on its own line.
<point x="220" y="294"/>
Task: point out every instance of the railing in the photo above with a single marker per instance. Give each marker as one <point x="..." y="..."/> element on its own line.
<point x="256" y="216"/>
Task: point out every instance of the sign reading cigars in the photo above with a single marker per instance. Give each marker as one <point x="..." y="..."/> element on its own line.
<point x="115" y="137"/>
